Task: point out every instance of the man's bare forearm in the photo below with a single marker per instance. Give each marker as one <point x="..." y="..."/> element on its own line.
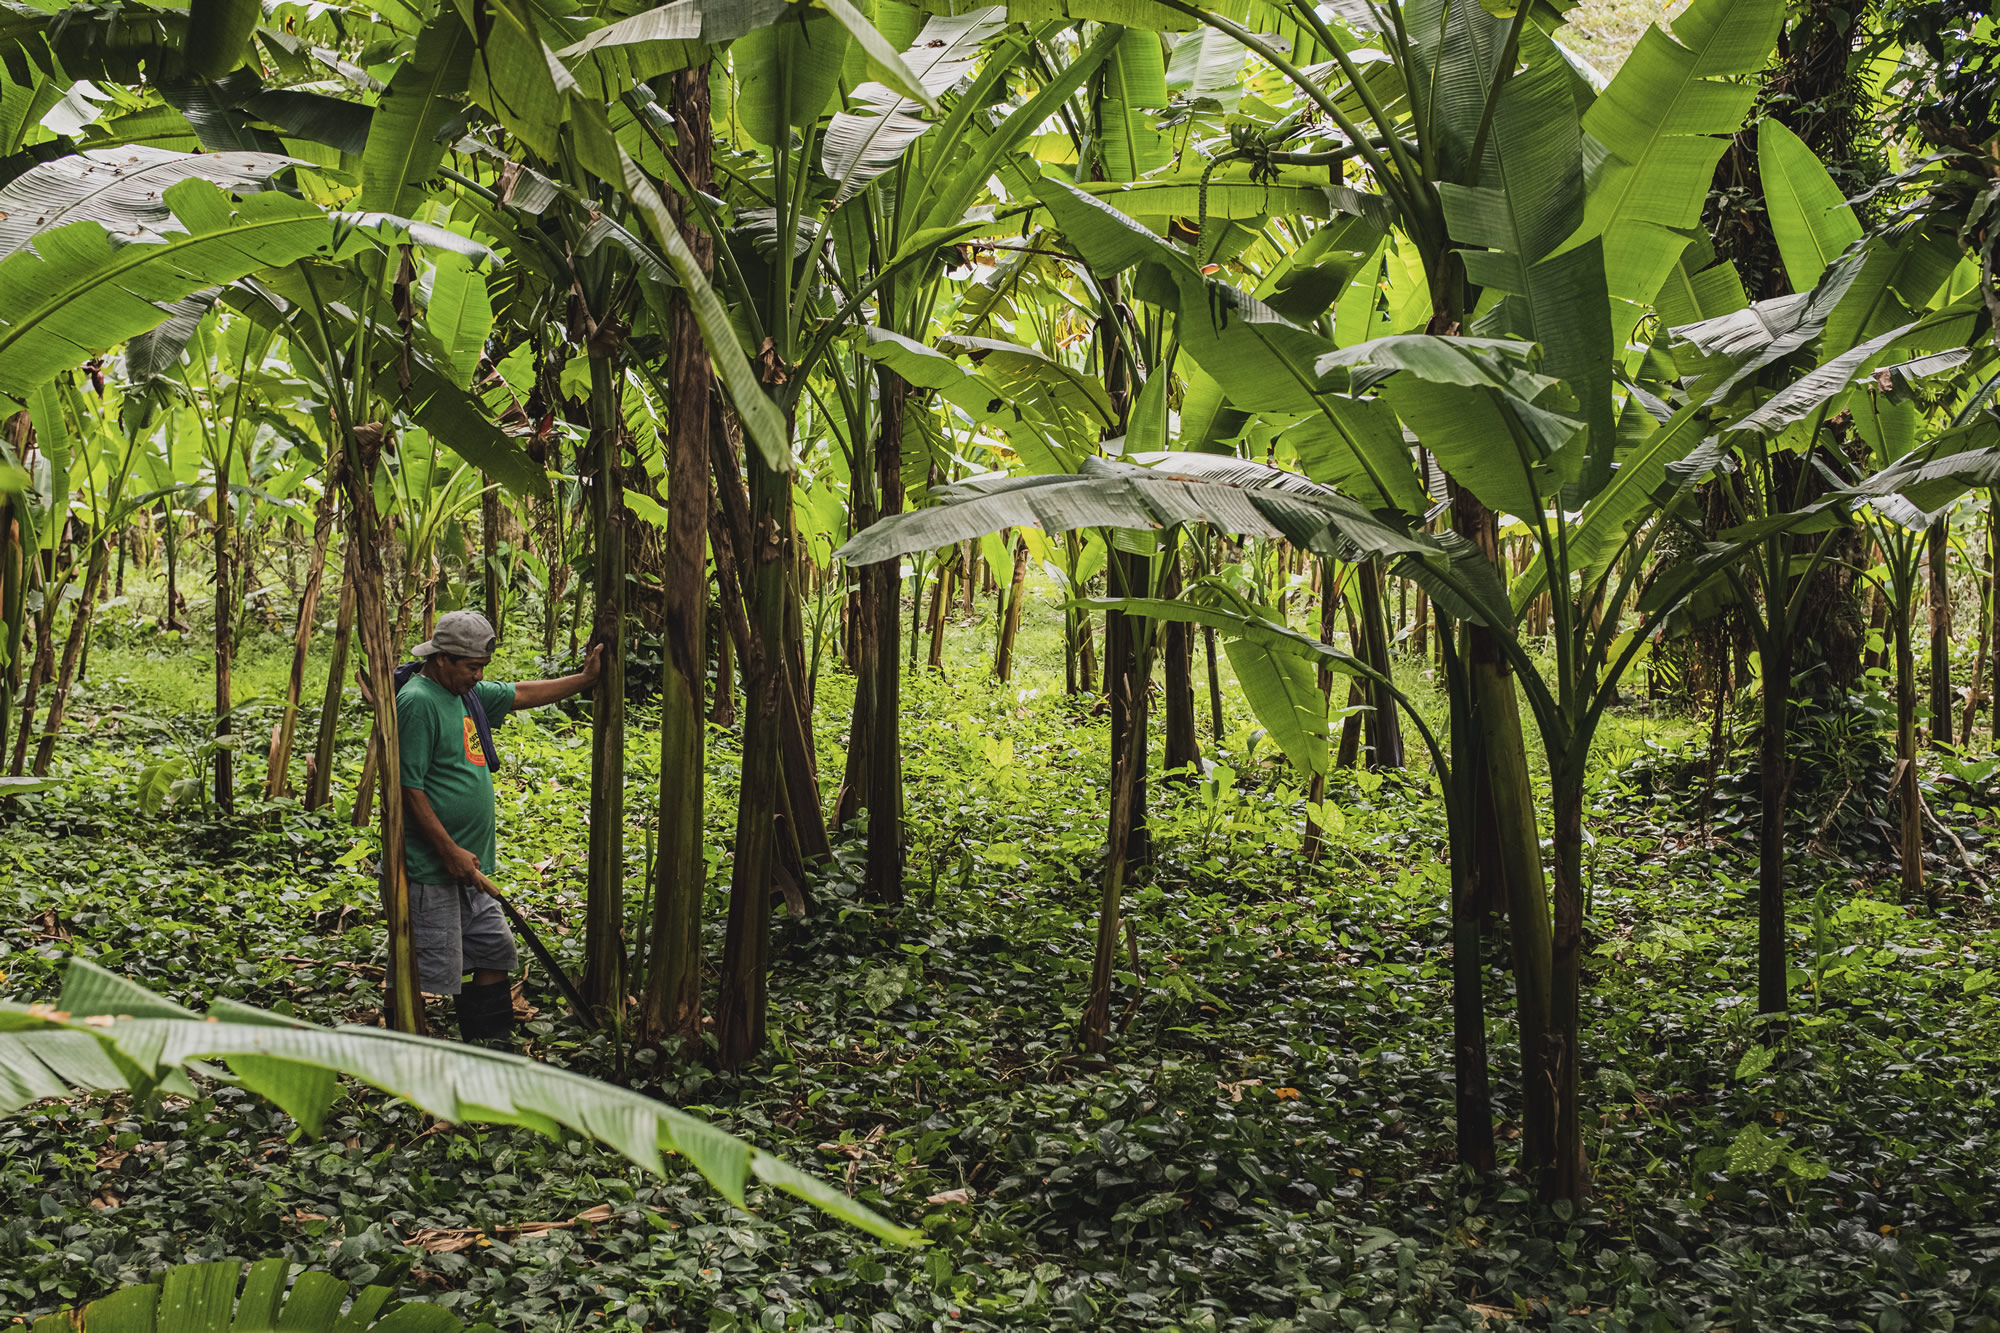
<point x="417" y="810"/>
<point x="536" y="693"/>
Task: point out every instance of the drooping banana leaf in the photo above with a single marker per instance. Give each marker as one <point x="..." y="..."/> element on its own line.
<point x="1494" y="423"/>
<point x="787" y="72"/>
<point x="1135" y="86"/>
<point x="1276" y="653"/>
<point x="1716" y="355"/>
<point x="203" y="1298"/>
<point x="1260" y="359"/>
<point x="864" y="143"/>
<point x="76" y="294"/>
<point x="884" y="61"/>
<point x="1243" y="498"/>
<point x="156" y="354"/>
<point x="1805" y="394"/>
<point x="458" y="314"/>
<point x="122" y="189"/>
<point x="1046" y="443"/>
<point x="107" y="1033"/>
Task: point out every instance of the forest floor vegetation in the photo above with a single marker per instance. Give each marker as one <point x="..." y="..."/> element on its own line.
<point x="1270" y="1147"/>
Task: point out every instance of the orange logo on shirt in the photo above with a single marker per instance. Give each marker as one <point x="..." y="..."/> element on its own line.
<point x="474" y="752"/>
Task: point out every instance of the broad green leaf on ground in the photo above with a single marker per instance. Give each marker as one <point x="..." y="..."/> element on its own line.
<point x="203" y="1298"/>
<point x="102" y="1036"/>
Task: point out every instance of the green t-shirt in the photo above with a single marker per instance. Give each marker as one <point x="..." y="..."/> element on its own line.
<point x="442" y="757"/>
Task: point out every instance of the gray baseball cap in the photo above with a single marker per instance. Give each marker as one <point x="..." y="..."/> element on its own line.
<point x="460" y="633"/>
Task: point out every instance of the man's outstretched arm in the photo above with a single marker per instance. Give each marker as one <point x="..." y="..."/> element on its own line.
<point x="536" y="693"/>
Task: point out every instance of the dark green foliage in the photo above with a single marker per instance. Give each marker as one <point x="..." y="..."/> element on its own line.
<point x="1271" y="1150"/>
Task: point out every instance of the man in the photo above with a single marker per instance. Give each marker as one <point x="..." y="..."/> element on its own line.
<point x="448" y="817"/>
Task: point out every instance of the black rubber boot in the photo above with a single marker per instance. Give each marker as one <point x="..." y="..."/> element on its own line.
<point x="486" y="1015"/>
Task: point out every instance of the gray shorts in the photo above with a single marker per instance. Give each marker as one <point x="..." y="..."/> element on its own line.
<point x="458" y="929"/>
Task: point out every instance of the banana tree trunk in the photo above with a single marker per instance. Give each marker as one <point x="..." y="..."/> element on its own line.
<point x="860" y="624"/>
<point x="1772" y="963"/>
<point x="884" y="874"/>
<point x="722" y="702"/>
<point x="171" y="620"/>
<point x="277" y="779"/>
<point x="672" y="1004"/>
<point x="1010" y="625"/>
<point x="225" y="756"/>
<point x="39" y="667"/>
<point x="799" y="762"/>
<point x="741" y="1001"/>
<point x="1472" y="1079"/>
<point x="1496" y="715"/>
<point x="940" y="604"/>
<point x="1384" y="725"/>
<point x="13" y="617"/>
<point x="1315" y="839"/>
<point x="319" y="782"/>
<point x="79" y="627"/>
<point x="918" y="580"/>
<point x="1095" y="1034"/>
<point x="1940" y="607"/>
<point x="489" y="553"/>
<point x="1214" y="683"/>
<point x="1910" y="842"/>
<point x="1126" y="677"/>
<point x="404" y="1007"/>
<point x="1181" y="755"/>
<point x="1570" y="1178"/>
<point x="604" y="897"/>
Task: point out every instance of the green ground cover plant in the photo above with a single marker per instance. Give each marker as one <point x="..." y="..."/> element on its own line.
<point x="1273" y="1150"/>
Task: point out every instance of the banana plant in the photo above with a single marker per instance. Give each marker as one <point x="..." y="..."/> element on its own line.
<point x="1789" y="379"/>
<point x="104" y="445"/>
